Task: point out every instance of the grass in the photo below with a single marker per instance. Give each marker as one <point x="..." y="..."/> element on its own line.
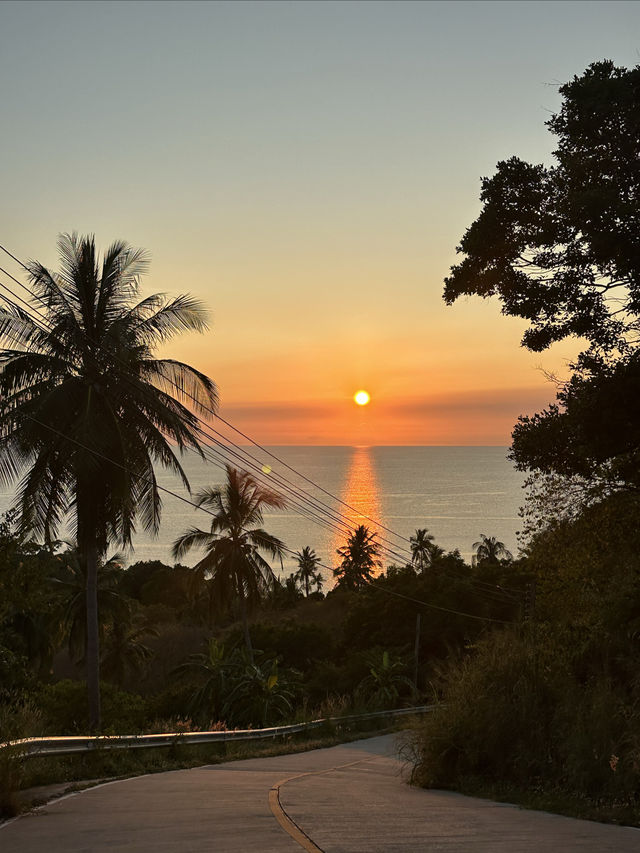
<point x="102" y="765"/>
<point x="557" y="801"/>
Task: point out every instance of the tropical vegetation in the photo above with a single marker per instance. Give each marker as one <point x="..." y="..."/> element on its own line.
<point x="531" y="660"/>
<point x="86" y="410"/>
<point x="238" y="572"/>
<point x="308" y="574"/>
<point x="550" y="705"/>
<point x="358" y="559"/>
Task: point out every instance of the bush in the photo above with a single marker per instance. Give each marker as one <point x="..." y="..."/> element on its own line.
<point x="17" y="720"/>
<point x="515" y="712"/>
<point x="65" y="710"/>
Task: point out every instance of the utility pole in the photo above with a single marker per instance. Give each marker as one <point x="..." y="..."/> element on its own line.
<point x="416" y="651"/>
<point x="529" y="600"/>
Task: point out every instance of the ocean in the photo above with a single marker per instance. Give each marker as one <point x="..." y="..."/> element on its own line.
<point x="457" y="493"/>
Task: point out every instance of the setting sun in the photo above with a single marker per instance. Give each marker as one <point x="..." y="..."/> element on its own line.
<point x="361" y="398"/>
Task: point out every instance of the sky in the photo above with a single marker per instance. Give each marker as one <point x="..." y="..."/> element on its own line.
<point x="307" y="170"/>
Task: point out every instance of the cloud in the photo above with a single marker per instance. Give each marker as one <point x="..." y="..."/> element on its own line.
<point x="485" y="416"/>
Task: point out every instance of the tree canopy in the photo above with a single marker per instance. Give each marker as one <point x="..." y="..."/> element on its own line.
<point x="86" y="410"/>
<point x="560" y="246"/>
<point x="233" y="545"/>
<point x="591" y="432"/>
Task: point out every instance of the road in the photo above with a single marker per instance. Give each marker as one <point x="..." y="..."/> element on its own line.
<point x="345" y="799"/>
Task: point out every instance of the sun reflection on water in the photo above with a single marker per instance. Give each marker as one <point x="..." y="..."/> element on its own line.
<point x="362" y="492"/>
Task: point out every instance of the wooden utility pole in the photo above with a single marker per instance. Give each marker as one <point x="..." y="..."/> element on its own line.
<point x="416" y="652"/>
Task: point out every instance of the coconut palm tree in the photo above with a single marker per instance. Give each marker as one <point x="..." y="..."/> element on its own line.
<point x="491" y="550"/>
<point x="307" y="574"/>
<point x="70" y="581"/>
<point x="211" y="670"/>
<point x="358" y="559"/>
<point x="125" y="652"/>
<point x="86" y="410"/>
<point x="237" y="570"/>
<point x="423" y="550"/>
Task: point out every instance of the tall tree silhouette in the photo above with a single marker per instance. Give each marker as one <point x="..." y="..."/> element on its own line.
<point x="491" y="550"/>
<point x="359" y="557"/>
<point x="86" y="410"/>
<point x="237" y="569"/>
<point x="307" y="574"/>
<point x="423" y="549"/>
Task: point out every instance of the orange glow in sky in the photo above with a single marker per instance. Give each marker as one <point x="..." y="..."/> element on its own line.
<point x="315" y="203"/>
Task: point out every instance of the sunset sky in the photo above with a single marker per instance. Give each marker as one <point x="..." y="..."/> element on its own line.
<point x="307" y="169"/>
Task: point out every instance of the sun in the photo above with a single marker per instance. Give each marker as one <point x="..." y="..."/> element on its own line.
<point x="361" y="398"/>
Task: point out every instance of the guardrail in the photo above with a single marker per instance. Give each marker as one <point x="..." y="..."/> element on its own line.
<point x="27" y="747"/>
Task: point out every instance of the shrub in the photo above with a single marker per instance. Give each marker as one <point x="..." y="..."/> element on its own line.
<point x="65" y="710"/>
<point x="516" y="713"/>
<point x="17" y="720"/>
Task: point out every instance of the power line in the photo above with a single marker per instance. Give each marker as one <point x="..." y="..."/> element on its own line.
<point x="247" y="437"/>
<point x="436" y="606"/>
<point x="487" y="594"/>
<point x="242" y="434"/>
<point x="335" y="519"/>
<point x="339" y="517"/>
<point x="285" y="548"/>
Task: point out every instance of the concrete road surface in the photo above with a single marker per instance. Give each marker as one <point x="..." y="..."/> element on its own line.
<point x="346" y="799"/>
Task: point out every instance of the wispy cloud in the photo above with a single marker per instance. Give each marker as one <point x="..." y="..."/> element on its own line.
<point x="471" y="417"/>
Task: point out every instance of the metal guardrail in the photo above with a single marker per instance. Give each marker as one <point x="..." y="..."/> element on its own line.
<point x="27" y="747"/>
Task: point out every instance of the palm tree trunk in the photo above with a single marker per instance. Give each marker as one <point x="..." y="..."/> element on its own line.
<point x="416" y="653"/>
<point x="88" y="510"/>
<point x="93" y="649"/>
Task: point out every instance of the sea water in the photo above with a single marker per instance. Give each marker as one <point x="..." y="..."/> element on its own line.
<point x="458" y="493"/>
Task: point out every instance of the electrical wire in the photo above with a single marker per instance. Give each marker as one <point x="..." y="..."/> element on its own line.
<point x="336" y="521"/>
<point x="342" y="519"/>
<point x="210" y="512"/>
<point x="490" y="593"/>
<point x="286" y="484"/>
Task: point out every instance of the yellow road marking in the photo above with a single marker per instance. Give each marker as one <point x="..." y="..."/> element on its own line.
<point x="288" y="823"/>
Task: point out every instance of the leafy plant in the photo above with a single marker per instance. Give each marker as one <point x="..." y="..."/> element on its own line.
<point x="237" y="571"/>
<point x="84" y="405"/>
<point x="382" y="687"/>
<point x="259" y="694"/>
<point x="359" y="557"/>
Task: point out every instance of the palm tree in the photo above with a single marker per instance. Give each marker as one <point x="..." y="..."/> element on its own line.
<point x="359" y="558"/>
<point x="307" y="573"/>
<point x="86" y="410"/>
<point x="237" y="570"/>
<point x="211" y="669"/>
<point x="491" y="550"/>
<point x="260" y="694"/>
<point x="423" y="550"/>
<point x="125" y="653"/>
<point x="70" y="579"/>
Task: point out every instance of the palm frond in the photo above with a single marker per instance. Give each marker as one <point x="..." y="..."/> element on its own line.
<point x="192" y="538"/>
<point x="266" y="542"/>
<point x="189" y="385"/>
<point x="183" y="313"/>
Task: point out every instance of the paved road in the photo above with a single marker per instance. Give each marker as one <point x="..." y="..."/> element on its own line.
<point x="347" y="799"/>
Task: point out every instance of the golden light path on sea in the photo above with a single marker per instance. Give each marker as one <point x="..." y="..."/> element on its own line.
<point x="362" y="492"/>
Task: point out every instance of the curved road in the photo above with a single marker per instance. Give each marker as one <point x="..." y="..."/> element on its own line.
<point x="346" y="799"/>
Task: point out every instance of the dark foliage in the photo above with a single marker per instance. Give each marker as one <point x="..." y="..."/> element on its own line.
<point x="555" y="244"/>
<point x="593" y="431"/>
